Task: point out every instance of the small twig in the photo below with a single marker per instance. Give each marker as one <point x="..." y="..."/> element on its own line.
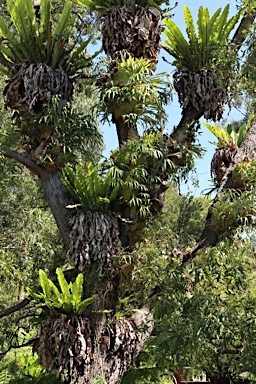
<point x="18" y="346"/>
<point x="14" y="308"/>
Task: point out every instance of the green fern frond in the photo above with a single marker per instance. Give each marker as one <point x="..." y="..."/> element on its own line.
<point x="202" y="46"/>
<point x="89" y="189"/>
<point x="175" y="43"/>
<point x="228" y="135"/>
<point x="194" y="43"/>
<point x="69" y="300"/>
<point x="132" y="92"/>
<point x="33" y="41"/>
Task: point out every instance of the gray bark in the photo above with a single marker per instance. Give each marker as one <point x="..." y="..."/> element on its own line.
<point x="58" y="199"/>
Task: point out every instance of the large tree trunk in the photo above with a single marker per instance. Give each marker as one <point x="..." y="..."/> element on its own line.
<point x="95" y="343"/>
<point x="58" y="199"/>
<point x="94" y="346"/>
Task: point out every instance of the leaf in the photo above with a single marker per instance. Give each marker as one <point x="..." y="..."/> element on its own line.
<point x="77" y="290"/>
<point x="221" y="23"/>
<point x="44" y="284"/>
<point x="64" y="20"/>
<point x="37" y="297"/>
<point x="63" y="283"/>
<point x="85" y="303"/>
<point x="191" y="32"/>
<point x="175" y="43"/>
<point x="45" y="13"/>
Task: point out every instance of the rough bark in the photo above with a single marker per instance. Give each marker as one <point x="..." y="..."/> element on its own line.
<point x="92" y="347"/>
<point x="58" y="199"/>
<point x="124" y="130"/>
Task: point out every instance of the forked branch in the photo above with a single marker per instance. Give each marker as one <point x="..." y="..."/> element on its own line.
<point x="210" y="235"/>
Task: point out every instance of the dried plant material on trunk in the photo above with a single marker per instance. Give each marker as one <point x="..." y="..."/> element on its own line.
<point x="84" y="349"/>
<point x="31" y="86"/>
<point x="94" y="237"/>
<point x="202" y="90"/>
<point x="138" y="33"/>
<point x="64" y="343"/>
<point x="221" y="161"/>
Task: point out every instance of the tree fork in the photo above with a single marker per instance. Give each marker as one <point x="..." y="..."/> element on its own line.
<point x="210" y="236"/>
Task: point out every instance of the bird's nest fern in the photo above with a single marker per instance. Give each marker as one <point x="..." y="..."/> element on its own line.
<point x="198" y="60"/>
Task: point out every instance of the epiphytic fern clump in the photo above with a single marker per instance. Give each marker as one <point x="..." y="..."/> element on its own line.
<point x="198" y="77"/>
<point x="228" y="143"/>
<point x="139" y="34"/>
<point x="32" y="85"/>
<point x="39" y="59"/>
<point x="131" y="91"/>
<point x="202" y="90"/>
<point x="136" y="29"/>
<point x="94" y="237"/>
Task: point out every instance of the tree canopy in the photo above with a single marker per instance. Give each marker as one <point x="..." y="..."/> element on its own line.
<point x="110" y="274"/>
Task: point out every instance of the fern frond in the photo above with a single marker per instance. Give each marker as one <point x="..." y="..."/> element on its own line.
<point x="194" y="43"/>
<point x="63" y="283"/>
<point x="221" y="23"/>
<point x="202" y="46"/>
<point x="229" y="27"/>
<point x="221" y="134"/>
<point x="64" y="20"/>
<point x="175" y="42"/>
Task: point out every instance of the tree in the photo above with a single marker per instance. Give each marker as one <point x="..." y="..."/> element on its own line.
<point x="101" y="210"/>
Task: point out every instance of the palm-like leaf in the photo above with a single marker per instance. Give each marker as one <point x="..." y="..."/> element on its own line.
<point x="32" y="41"/>
<point x="133" y="92"/>
<point x="89" y="189"/>
<point x="202" y="46"/>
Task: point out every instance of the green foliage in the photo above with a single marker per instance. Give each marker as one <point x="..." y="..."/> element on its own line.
<point x="133" y="92"/>
<point x="139" y="168"/>
<point x="72" y="133"/>
<point x="89" y="189"/>
<point x="131" y="174"/>
<point x="68" y="300"/>
<point x="229" y="136"/>
<point x="208" y="317"/>
<point x="102" y="6"/>
<point x="31" y="371"/>
<point x="155" y="262"/>
<point x="202" y="47"/>
<point x="33" y="41"/>
<point x="233" y="209"/>
<point x="98" y="380"/>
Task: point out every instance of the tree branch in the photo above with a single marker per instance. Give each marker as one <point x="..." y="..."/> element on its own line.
<point x="14" y="308"/>
<point x="22" y="159"/>
<point x="26" y="344"/>
<point x="183" y="134"/>
<point x="240" y="34"/>
<point x="210" y="235"/>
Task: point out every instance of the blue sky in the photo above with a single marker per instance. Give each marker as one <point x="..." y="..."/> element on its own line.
<point x="173" y="110"/>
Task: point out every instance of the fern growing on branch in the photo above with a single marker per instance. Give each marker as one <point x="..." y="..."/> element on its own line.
<point x="200" y="49"/>
<point x="24" y="39"/>
<point x="68" y="300"/>
<point x="132" y="91"/>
